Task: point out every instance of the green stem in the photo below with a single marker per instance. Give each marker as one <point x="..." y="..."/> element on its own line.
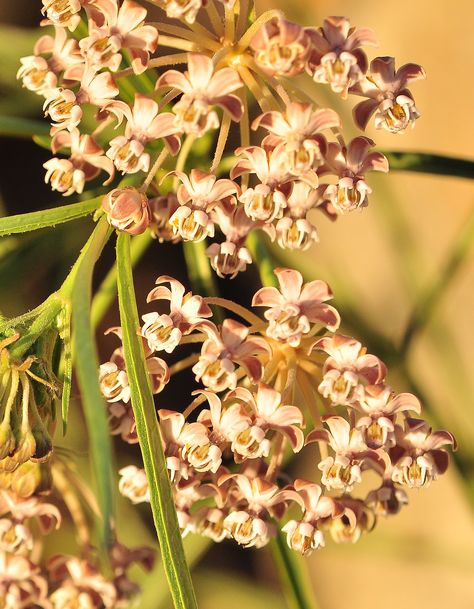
<point x="201" y="276"/>
<point x="161" y="495"/>
<point x="78" y="287"/>
<point x="430" y="163"/>
<point x="295" y="585"/>
<point x="263" y="259"/>
<point x="45" y="218"/>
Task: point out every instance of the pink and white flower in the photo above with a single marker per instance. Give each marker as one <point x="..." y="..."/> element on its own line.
<point x="127" y="210"/>
<point x="293" y="308"/>
<point x="418" y="456"/>
<point x="344" y="470"/>
<point x="303" y="535"/>
<point x="203" y="88"/>
<point x="379" y="407"/>
<point x="388" y="97"/>
<point x="346" y="367"/>
<point x="350" y="164"/>
<point x="227" y="346"/>
<point x="123" y="29"/>
<point x="85" y="162"/>
<point x="337" y="58"/>
<point x="299" y="129"/>
<point x="144" y="124"/>
<point x="198" y="195"/>
<point x="164" y="332"/>
<point x="281" y="48"/>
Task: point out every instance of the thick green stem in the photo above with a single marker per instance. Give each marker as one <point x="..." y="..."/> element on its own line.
<point x="78" y="288"/>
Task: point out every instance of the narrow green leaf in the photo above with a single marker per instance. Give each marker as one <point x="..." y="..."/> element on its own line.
<point x="16" y="126"/>
<point x="161" y="496"/>
<point x="430" y="163"/>
<point x="87" y="366"/>
<point x="23" y="223"/>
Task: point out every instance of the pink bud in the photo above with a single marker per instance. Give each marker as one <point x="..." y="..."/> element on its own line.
<point x="127" y="210"/>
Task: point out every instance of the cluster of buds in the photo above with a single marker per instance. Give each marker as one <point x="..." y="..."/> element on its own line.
<point x="270" y="388"/>
<point x="37" y="489"/>
<point x="27" y="580"/>
<point x="246" y="72"/>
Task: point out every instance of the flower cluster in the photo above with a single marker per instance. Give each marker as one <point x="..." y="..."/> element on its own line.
<point x="268" y="388"/>
<point x="30" y="473"/>
<point x="234" y="74"/>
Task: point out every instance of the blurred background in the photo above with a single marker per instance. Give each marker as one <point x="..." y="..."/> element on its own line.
<point x="410" y="251"/>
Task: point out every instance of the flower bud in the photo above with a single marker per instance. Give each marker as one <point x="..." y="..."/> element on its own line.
<point x="127" y="210"/>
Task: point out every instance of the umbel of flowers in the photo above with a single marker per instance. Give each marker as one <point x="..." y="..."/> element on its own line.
<point x="242" y="76"/>
<point x="232" y="142"/>
<point x="268" y="388"/>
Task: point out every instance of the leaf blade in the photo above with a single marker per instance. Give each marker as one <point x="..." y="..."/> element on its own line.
<point x="23" y="223"/>
<point x="161" y="497"/>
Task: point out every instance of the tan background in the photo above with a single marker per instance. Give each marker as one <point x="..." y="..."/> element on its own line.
<point x="380" y="261"/>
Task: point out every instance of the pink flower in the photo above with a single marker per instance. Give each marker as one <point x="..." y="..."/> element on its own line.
<point x="188" y="442"/>
<point x="21" y="585"/>
<point x="294" y="231"/>
<point x="350" y="165"/>
<point x="270" y="414"/>
<point x="198" y="195"/>
<point x="346" y="367"/>
<point x="144" y="124"/>
<point x="342" y="471"/>
<point x="127" y="210"/>
<point x="389" y="99"/>
<point x="121" y="421"/>
<point x="81" y="583"/>
<point x="337" y="58"/>
<point x="418" y="456"/>
<point x="226" y="424"/>
<point x="182" y="9"/>
<point x="203" y="89"/>
<point x="281" y="48"/>
<point x="163" y="332"/>
<point x="41" y="75"/>
<point x="387" y="500"/>
<point x="162" y="208"/>
<point x="133" y="484"/>
<point x="380" y="407"/>
<point x="299" y="129"/>
<point x="292" y="309"/>
<point x="63" y="106"/>
<point x="231" y="256"/>
<point x="304" y="536"/>
<point x="124" y="29"/>
<point x="62" y="51"/>
<point x="256" y="499"/>
<point x="267" y="200"/>
<point x="224" y="348"/>
<point x="62" y="13"/>
<point x="84" y="163"/>
<point x="36" y="75"/>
